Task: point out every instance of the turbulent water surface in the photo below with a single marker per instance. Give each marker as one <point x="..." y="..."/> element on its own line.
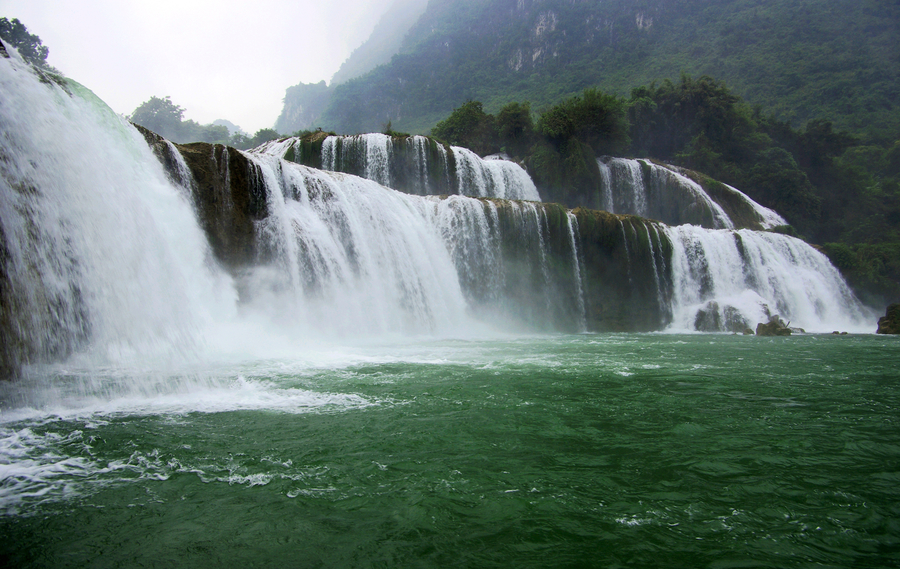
<point x="575" y="451"/>
<point x="307" y="409"/>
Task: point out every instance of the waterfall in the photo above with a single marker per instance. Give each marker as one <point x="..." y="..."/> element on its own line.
<point x="121" y="253"/>
<point x="103" y="252"/>
<point x="347" y="256"/>
<point x="635" y="194"/>
<point x="656" y="278"/>
<point x="668" y="194"/>
<point x="767" y="218"/>
<point x="736" y="279"/>
<point x="625" y="246"/>
<point x="492" y="178"/>
<point x="344" y="255"/>
<point x="576" y="263"/>
<point x="609" y="202"/>
<point x="107" y="258"/>
<point x="413" y="164"/>
<point x="471" y="231"/>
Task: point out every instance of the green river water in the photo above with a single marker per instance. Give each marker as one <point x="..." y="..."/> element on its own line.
<point x="629" y="450"/>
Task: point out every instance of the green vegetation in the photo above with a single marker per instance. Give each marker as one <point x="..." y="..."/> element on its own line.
<point x="831" y="186"/>
<point x="385" y="41"/>
<point x="873" y="269"/>
<point x="166" y="119"/>
<point x="471" y="127"/>
<point x="595" y="119"/>
<point x="835" y="60"/>
<point x="30" y="46"/>
<point x="303" y="105"/>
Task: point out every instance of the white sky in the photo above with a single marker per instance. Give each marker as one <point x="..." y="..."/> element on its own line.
<point x="216" y="59"/>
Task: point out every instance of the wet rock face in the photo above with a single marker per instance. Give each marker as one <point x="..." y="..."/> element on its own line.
<point x="775" y="327"/>
<point x="627" y="272"/>
<point x="890" y="322"/>
<point x="230" y="195"/>
<point x="715" y="318"/>
<point x="228" y="192"/>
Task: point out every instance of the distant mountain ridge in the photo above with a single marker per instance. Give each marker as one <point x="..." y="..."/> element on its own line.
<point x="305" y="102"/>
<point x="384" y="42"/>
<point x="832" y="59"/>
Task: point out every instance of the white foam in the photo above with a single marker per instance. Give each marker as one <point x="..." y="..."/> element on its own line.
<point x="759" y="274"/>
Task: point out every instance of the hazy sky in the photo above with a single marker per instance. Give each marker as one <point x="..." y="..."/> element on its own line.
<point x="217" y="59"/>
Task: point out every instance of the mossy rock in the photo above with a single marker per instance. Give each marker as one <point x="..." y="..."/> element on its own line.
<point x="229" y="195"/>
<point x="775" y="327"/>
<point x="890" y="322"/>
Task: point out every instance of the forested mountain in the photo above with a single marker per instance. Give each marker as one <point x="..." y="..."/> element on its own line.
<point x="834" y="60"/>
<point x="385" y="41"/>
<point x="305" y="102"/>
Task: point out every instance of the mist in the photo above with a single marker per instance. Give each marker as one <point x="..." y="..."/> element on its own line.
<point x="218" y="60"/>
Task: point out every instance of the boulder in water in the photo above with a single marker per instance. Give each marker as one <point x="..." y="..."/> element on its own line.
<point x="775" y="327"/>
<point x="708" y="319"/>
<point x="713" y="317"/>
<point x="890" y="322"/>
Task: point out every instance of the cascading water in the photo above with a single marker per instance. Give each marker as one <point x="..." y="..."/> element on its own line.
<point x="731" y="280"/>
<point x="108" y="258"/>
<point x="576" y="262"/>
<point x="369" y="260"/>
<point x="155" y="403"/>
<point x="642" y="187"/>
<point x="105" y="256"/>
<point x="627" y="192"/>
<point x="415" y="165"/>
<point x="370" y="153"/>
<point x="352" y="257"/>
<point x="492" y="178"/>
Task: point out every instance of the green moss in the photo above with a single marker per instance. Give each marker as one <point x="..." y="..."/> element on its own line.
<point x="645" y="171"/>
<point x="289" y="155"/>
<point x="741" y="213"/>
<point x="785" y="230"/>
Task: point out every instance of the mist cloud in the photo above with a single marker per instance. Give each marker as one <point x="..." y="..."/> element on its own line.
<point x="217" y="59"/>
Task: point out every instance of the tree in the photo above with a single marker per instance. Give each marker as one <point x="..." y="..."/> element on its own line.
<point x="595" y="118"/>
<point x="671" y="117"/>
<point x="263" y="135"/>
<point x="162" y="116"/>
<point x="471" y="127"/>
<point x="240" y="141"/>
<point x="214" y="133"/>
<point x="777" y="180"/>
<point x="29" y="45"/>
<point x="515" y="127"/>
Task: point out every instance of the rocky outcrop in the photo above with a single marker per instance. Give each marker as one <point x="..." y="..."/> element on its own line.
<point x="230" y="195"/>
<point x="228" y="192"/>
<point x="303" y="106"/>
<point x="890" y="322"/>
<point x="775" y="327"/>
<point x="627" y="278"/>
<point x="712" y="317"/>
